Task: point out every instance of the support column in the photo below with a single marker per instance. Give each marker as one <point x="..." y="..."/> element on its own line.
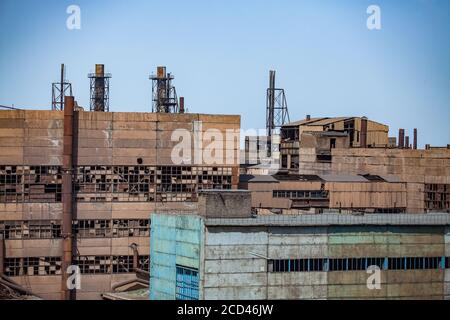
<point x="66" y="231"/>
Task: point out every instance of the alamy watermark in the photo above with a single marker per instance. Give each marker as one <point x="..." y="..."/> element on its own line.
<point x="73" y="21"/>
<point x="374" y="280"/>
<point x="374" y="19"/>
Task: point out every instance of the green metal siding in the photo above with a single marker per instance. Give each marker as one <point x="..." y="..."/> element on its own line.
<point x="175" y="240"/>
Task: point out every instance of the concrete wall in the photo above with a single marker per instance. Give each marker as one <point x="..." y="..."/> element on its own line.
<point x="235" y="262"/>
<point x="415" y="167"/>
<point x="29" y="137"/>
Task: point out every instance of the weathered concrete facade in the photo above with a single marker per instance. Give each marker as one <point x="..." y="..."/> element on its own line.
<point x="321" y="193"/>
<point x="321" y="257"/>
<point x="122" y="172"/>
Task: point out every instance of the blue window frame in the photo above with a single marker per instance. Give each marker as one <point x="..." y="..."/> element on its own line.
<point x="187" y="283"/>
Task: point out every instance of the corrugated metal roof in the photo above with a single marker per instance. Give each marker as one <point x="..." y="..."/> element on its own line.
<point x="342" y="178"/>
<point x="383" y="219"/>
<point x="330" y="133"/>
<point x="326" y="121"/>
<point x="300" y="122"/>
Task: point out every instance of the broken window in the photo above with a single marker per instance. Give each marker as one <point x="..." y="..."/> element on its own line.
<point x="437" y="197"/>
<point x="147" y="183"/>
<point x="111" y="228"/>
<point x="33" y="266"/>
<point x="30" y="183"/>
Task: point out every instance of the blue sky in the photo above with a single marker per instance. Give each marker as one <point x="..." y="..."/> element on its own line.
<point x="221" y="52"/>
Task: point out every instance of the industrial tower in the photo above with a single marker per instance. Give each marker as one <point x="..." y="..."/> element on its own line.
<point x="164" y="95"/>
<point x="276" y="112"/>
<point x="60" y="90"/>
<point x="99" y="84"/>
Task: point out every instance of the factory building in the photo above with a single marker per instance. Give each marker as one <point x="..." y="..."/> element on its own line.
<point x="293" y="194"/>
<point x="299" y="257"/>
<point x="77" y="187"/>
<point x="348" y="164"/>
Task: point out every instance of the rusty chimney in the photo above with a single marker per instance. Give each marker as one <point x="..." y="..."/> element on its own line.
<point x="181" y="104"/>
<point x="415" y="139"/>
<point x="99" y="84"/>
<point x="364" y="132"/>
<point x="401" y="138"/>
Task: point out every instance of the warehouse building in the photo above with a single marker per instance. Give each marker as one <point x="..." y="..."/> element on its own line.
<point x="300" y="257"/>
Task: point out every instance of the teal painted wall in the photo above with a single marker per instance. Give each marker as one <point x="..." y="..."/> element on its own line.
<point x="174" y="240"/>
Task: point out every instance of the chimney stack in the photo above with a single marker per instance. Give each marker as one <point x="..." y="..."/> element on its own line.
<point x="308" y="117"/>
<point x="407" y="142"/>
<point x="99" y="89"/>
<point x="181" y="104"/>
<point x="415" y="139"/>
<point x="364" y="132"/>
<point x="401" y="138"/>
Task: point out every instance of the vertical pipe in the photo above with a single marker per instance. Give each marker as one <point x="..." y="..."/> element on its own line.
<point x="401" y="138"/>
<point x="415" y="139"/>
<point x="67" y="195"/>
<point x="134" y="247"/>
<point x="363" y="132"/>
<point x="62" y="88"/>
<point x="2" y="255"/>
<point x="271" y="102"/>
<point x="407" y="142"/>
<point x="181" y="104"/>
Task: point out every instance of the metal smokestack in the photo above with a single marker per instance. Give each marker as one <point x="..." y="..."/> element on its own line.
<point x="415" y="139"/>
<point x="181" y="104"/>
<point x="401" y="138"/>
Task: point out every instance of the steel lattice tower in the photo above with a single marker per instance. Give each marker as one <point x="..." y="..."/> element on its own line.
<point x="277" y="113"/>
<point x="99" y="84"/>
<point x="60" y="90"/>
<point x="164" y="95"/>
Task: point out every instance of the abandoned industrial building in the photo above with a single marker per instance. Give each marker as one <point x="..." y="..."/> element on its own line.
<point x="99" y="190"/>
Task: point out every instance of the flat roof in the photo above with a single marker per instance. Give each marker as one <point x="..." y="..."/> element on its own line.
<point x="257" y="178"/>
<point x="335" y="219"/>
<point x="343" y="178"/>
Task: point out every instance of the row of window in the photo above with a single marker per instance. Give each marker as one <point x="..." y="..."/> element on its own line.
<point x="355" y="264"/>
<point x="51" y="229"/>
<point x="112" y="183"/>
<point x="44" y="266"/>
<point x="301" y="194"/>
<point x="116" y="228"/>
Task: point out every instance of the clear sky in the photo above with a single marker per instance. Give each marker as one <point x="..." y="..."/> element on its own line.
<point x="221" y="52"/>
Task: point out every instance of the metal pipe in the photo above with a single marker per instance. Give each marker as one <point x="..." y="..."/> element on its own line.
<point x="181" y="104"/>
<point x="2" y="255"/>
<point x="415" y="139"/>
<point x="62" y="87"/>
<point x="135" y="256"/>
<point x="401" y="138"/>
<point x="66" y="293"/>
<point x="363" y="132"/>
